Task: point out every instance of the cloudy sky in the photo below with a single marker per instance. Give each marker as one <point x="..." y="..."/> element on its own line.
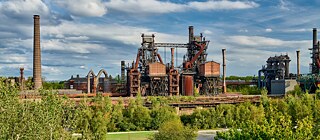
<point x="79" y="35"/>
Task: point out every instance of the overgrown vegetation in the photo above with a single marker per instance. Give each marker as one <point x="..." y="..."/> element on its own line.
<point x="244" y="89"/>
<point x="246" y="78"/>
<point x="53" y="85"/>
<point x="294" y="117"/>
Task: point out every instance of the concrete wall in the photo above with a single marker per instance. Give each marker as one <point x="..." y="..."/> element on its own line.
<point x="282" y="86"/>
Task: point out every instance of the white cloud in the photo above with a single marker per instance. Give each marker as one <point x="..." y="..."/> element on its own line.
<point x="207" y="32"/>
<point x="87" y="8"/>
<point x="222" y="5"/>
<point x="284" y="5"/>
<point x="145" y="6"/>
<point x="243" y="30"/>
<point x="50" y="70"/>
<point x="268" y="30"/>
<point x="13" y="59"/>
<point x="83" y="67"/>
<point x="61" y="45"/>
<point x="297" y="30"/>
<point x="156" y="6"/>
<point x="23" y="8"/>
<point x="125" y="34"/>
<point x="260" y="41"/>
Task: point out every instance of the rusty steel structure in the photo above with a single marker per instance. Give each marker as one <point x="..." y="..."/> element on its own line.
<point x="36" y="54"/>
<point x="315" y="54"/>
<point x="311" y="82"/>
<point x="277" y="68"/>
<point x="205" y="74"/>
<point x="149" y="75"/>
<point x="148" y="72"/>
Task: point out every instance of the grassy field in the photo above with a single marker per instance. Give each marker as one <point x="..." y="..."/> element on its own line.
<point x="129" y="136"/>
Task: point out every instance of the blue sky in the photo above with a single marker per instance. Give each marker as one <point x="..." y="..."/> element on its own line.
<point x="79" y="35"/>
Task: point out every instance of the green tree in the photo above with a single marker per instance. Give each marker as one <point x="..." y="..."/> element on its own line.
<point x="162" y="114"/>
<point x="174" y="130"/>
<point x="117" y="119"/>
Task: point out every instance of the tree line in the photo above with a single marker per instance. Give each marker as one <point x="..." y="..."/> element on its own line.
<point x="56" y="117"/>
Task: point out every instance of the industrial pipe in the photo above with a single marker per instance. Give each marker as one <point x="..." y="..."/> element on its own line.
<point x="286" y="72"/>
<point x="298" y="63"/>
<point x="315" y="52"/>
<point x="315" y="37"/>
<point x="172" y="57"/>
<point x="224" y="70"/>
<point x="123" y="66"/>
<point x="191" y="34"/>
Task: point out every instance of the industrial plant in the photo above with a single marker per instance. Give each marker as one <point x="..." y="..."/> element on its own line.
<point x="148" y="75"/>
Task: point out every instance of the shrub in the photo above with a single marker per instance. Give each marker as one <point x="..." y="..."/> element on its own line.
<point x="174" y="130"/>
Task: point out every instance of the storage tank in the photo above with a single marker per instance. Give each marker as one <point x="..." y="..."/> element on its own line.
<point x="187" y="85"/>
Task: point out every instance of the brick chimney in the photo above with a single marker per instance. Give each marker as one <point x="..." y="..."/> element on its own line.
<point x="36" y="54"/>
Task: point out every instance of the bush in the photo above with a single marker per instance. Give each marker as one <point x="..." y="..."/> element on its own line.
<point x="174" y="130"/>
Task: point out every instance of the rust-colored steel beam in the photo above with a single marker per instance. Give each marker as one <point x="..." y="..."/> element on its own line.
<point x="189" y="63"/>
<point x="137" y="60"/>
<point x="160" y="59"/>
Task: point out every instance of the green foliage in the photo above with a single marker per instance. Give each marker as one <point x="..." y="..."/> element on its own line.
<point x="296" y="116"/>
<point x="32" y="120"/>
<point x="53" y="85"/>
<point x="196" y="92"/>
<point x="296" y="92"/>
<point x="244" y="89"/>
<point x="161" y="114"/>
<point x="29" y="84"/>
<point x="174" y="130"/>
<point x="246" y="78"/>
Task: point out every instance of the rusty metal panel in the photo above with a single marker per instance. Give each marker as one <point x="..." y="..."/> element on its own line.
<point x="156" y="69"/>
<point x="173" y="82"/>
<point x="187" y="85"/>
<point x="133" y="82"/>
<point x="209" y="69"/>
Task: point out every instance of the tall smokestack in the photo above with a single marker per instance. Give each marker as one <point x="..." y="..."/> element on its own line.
<point x="21" y="79"/>
<point x="190" y="34"/>
<point x="298" y="63"/>
<point x="224" y="70"/>
<point x="315" y="52"/>
<point x="36" y="53"/>
<point x="123" y="66"/>
<point x="172" y="57"/>
<point x="315" y="37"/>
